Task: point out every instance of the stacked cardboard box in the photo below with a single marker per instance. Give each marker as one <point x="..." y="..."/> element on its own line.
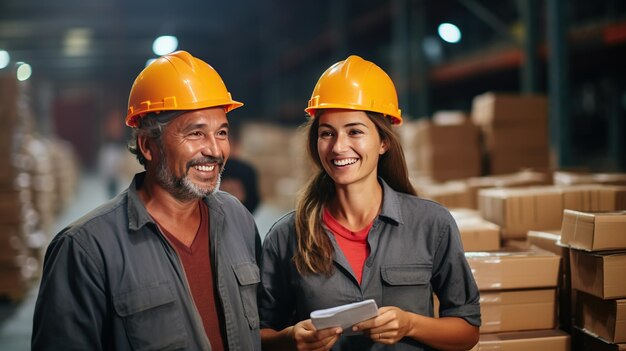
<point x="448" y="150"/>
<point x="597" y="242"/>
<point x="517" y="289"/>
<point x="18" y="217"/>
<point x="515" y="130"/>
<point x="572" y="178"/>
<point x="476" y="233"/>
<point x="553" y="340"/>
<point x="550" y="241"/>
<point x="519" y="210"/>
<point x="452" y="194"/>
<point x="279" y="156"/>
<point x="513" y="180"/>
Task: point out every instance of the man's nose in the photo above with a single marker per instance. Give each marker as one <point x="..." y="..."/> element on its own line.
<point x="211" y="147"/>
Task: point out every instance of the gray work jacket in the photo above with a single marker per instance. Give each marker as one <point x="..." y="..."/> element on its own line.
<point x="111" y="281"/>
<point x="415" y="250"/>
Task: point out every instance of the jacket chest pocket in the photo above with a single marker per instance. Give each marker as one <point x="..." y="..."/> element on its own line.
<point x="248" y="277"/>
<point x="152" y="317"/>
<point x="407" y="287"/>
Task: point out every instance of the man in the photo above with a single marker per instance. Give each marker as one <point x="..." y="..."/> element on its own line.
<point x="170" y="263"/>
<point x="240" y="177"/>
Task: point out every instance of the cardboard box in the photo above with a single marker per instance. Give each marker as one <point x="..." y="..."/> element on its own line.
<point x="599" y="273"/>
<point x="594" y="231"/>
<point x="514" y="269"/>
<point x="547" y="240"/>
<point x="552" y="340"/>
<point x="518" y="210"/>
<point x="450" y="194"/>
<point x="512" y="180"/>
<point x="533" y="137"/>
<point x="513" y="159"/>
<point x="517" y="310"/>
<point x="605" y="318"/>
<point x="497" y="109"/>
<point x="583" y="341"/>
<point x="478" y="234"/>
<point x="448" y="135"/>
<point x="594" y="197"/>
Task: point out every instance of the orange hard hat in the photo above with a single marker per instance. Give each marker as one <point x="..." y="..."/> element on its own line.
<point x="177" y="81"/>
<point x="356" y="84"/>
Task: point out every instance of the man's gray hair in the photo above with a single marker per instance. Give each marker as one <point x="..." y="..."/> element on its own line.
<point x="151" y="126"/>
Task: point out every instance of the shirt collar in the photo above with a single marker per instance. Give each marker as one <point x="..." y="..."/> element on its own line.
<point x="391" y="208"/>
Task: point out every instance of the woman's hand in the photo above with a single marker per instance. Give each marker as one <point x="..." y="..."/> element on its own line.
<point x="390" y="326"/>
<point x="307" y="338"/>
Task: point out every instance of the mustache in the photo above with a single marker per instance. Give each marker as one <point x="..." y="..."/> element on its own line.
<point x="206" y="159"/>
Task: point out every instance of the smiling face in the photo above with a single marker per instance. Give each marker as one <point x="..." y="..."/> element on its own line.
<point x="349" y="146"/>
<point x="194" y="149"/>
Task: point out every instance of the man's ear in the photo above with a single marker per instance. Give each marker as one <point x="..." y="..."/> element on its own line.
<point x="144" y="143"/>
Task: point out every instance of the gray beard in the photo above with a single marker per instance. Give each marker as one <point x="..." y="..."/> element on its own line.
<point x="183" y="188"/>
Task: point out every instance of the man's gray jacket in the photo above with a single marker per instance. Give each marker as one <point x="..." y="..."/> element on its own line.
<point x="111" y="281"/>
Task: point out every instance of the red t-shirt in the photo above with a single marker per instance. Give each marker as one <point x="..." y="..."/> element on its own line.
<point x="353" y="244"/>
<point x="196" y="260"/>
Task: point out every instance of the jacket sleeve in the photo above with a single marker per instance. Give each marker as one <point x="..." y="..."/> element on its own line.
<point x="70" y="311"/>
<point x="452" y="280"/>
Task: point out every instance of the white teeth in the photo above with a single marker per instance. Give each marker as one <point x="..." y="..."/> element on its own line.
<point x="344" y="162"/>
<point x="204" y="168"/>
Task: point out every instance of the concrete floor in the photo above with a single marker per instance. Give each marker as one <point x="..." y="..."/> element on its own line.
<point x="16" y="318"/>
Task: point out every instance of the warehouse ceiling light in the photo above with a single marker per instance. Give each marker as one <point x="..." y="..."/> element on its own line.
<point x="449" y="33"/>
<point x="24" y="71"/>
<point x="5" y="58"/>
<point x="77" y="42"/>
<point x="164" y="45"/>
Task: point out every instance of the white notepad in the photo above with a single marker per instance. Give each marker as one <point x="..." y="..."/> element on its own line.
<point x="344" y="316"/>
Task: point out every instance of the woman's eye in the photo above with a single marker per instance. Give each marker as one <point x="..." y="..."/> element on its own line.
<point x="355" y="132"/>
<point x="325" y="134"/>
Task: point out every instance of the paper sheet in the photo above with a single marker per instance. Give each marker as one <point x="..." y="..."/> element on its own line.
<point x="344" y="316"/>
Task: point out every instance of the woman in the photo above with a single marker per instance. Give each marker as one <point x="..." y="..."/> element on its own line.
<point x="360" y="232"/>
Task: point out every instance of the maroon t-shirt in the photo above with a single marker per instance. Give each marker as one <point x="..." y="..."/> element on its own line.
<point x="196" y="260"/>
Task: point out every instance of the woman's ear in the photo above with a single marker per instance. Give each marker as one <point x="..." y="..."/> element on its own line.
<point x="384" y="146"/>
<point x="144" y="143"/>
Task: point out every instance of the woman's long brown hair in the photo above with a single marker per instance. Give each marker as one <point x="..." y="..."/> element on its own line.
<point x="315" y="251"/>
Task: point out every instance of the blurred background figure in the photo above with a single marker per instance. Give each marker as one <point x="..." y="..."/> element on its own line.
<point x="112" y="154"/>
<point x="240" y="177"/>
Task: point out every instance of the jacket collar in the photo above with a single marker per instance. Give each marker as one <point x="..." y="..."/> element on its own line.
<point x="138" y="215"/>
<point x="391" y="208"/>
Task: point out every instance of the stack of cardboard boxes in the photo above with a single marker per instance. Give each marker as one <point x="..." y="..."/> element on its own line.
<point x="476" y="233"/>
<point x="515" y="131"/>
<point x="18" y="218"/>
<point x="448" y="148"/>
<point x="518" y="299"/>
<point x="519" y="210"/>
<point x="279" y="156"/>
<point x="597" y="243"/>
